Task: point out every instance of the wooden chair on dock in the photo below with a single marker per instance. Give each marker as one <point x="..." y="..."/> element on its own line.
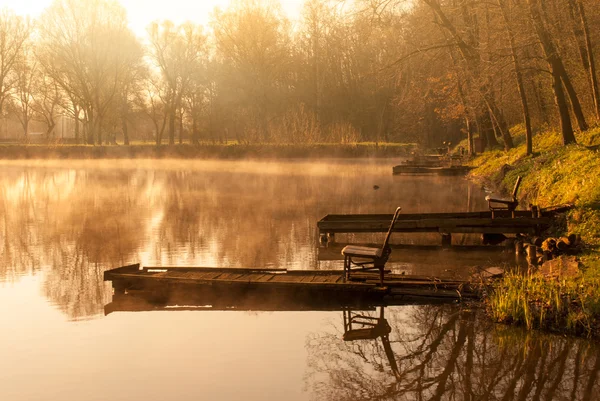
<point x="505" y="204"/>
<point x="366" y="258"/>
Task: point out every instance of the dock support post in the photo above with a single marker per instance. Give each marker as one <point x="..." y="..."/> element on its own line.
<point x="535" y="212"/>
<point x="347" y="264"/>
<point x="446" y="240"/>
<point x="532" y="255"/>
<point x="118" y="288"/>
<point x="323" y="238"/>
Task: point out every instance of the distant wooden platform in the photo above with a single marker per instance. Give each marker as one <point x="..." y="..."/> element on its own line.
<point x="296" y="286"/>
<point x="445" y="223"/>
<point x="425" y="169"/>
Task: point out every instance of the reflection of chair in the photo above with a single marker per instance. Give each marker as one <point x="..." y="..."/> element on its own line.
<point x="367" y="258"/>
<point x="505" y="204"/>
<point x="371" y="328"/>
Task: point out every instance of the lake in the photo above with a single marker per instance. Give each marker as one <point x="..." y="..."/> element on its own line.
<point x="63" y="223"/>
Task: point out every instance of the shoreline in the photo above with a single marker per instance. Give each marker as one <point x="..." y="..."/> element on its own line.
<point x="205" y="151"/>
<point x="559" y="302"/>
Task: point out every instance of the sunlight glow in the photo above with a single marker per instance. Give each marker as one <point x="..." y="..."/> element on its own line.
<point x="142" y="12"/>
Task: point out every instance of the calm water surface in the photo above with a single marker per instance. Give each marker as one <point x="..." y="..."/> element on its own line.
<point x="63" y="223"/>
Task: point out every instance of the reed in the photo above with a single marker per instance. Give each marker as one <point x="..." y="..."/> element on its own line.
<point x="537" y="302"/>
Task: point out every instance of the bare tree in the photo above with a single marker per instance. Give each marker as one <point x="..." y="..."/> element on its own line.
<point x="178" y="52"/>
<point x="77" y="49"/>
<point x="26" y="73"/>
<point x="14" y="31"/>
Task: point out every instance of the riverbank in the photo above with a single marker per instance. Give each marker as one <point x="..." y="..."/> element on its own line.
<point x="205" y="151"/>
<point x="554" y="174"/>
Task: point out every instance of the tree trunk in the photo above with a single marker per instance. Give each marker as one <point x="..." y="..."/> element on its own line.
<point x="125" y="131"/>
<point x="180" y="128"/>
<point x="76" y="129"/>
<point x="554" y="63"/>
<point x="172" y="126"/>
<point x="590" y="58"/>
<point x="25" y="125"/>
<point x="575" y="104"/>
<point x="194" y="130"/>
<point x="98" y="127"/>
<point x="563" y="109"/>
<point x="91" y="129"/>
<point x="480" y="131"/>
<point x="519" y="78"/>
<point x="469" y="126"/>
<point x="49" y="130"/>
<point x="498" y="119"/>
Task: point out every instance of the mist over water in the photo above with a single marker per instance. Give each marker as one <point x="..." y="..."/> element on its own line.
<point x="64" y="223"/>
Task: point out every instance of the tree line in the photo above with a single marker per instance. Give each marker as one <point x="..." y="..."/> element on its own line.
<point x="422" y="71"/>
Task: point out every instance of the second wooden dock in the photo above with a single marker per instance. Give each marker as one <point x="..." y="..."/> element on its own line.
<point x="301" y="285"/>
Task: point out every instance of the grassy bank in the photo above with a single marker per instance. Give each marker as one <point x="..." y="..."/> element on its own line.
<point x="204" y="151"/>
<point x="554" y="174"/>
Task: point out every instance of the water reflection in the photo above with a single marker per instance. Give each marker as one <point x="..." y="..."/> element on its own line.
<point x="75" y="219"/>
<point x="449" y="353"/>
<point x="411" y="352"/>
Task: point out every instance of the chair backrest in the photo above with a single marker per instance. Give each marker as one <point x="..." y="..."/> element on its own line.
<point x="516" y="189"/>
<point x="389" y="233"/>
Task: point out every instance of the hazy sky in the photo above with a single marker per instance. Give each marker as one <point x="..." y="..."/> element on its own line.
<point x="142" y="12"/>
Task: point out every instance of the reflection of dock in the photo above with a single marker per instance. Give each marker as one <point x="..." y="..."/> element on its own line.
<point x="193" y="298"/>
<point x="297" y="287"/>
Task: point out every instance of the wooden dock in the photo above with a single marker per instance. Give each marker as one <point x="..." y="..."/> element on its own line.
<point x="524" y="222"/>
<point x="304" y="287"/>
<point x="414" y="169"/>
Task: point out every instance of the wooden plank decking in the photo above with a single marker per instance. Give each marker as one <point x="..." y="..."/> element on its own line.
<point x="445" y="223"/>
<point x="301" y="285"/>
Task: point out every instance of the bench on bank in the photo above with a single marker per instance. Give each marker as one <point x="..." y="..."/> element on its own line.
<point x="500" y="204"/>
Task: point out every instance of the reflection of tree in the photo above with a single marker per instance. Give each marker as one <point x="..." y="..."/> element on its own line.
<point x="74" y="223"/>
<point x="444" y="353"/>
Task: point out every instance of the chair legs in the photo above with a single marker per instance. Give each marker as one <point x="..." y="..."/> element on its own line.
<point x="381" y="274"/>
<point x="348" y="269"/>
<point x="347" y="263"/>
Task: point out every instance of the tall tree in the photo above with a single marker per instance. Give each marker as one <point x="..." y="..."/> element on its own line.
<point x="505" y="10"/>
<point x="252" y="38"/>
<point x="473" y="60"/>
<point x="14" y="31"/>
<point x="178" y="51"/>
<point x="557" y="70"/>
<point x="78" y="50"/>
<point x="26" y="74"/>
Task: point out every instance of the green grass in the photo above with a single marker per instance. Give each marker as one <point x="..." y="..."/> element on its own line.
<point x="553" y="175"/>
<point x="561" y="305"/>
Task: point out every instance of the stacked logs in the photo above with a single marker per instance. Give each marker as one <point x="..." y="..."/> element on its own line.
<point x="539" y="250"/>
